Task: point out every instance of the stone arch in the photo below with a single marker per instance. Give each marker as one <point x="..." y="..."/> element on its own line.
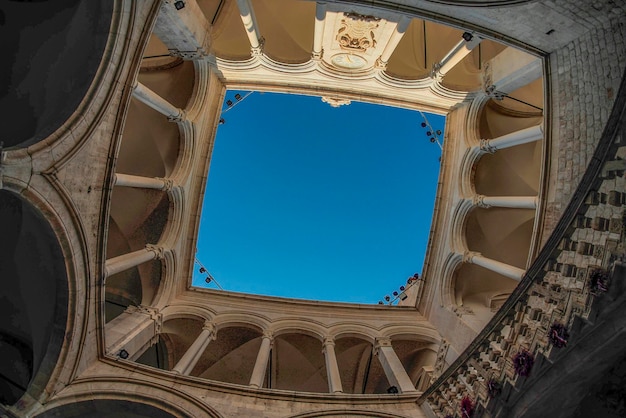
<point x="231" y="356"/>
<point x="243" y="319"/>
<point x="353" y="331"/>
<point x="299" y="326"/>
<point x="297" y="362"/>
<point x="339" y="413"/>
<point x="354" y="354"/>
<point x="98" y="398"/>
<point x="452" y="262"/>
<point x="189" y="312"/>
<point x="412" y="332"/>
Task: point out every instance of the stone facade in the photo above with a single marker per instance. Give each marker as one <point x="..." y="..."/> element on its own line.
<point x="119" y="183"/>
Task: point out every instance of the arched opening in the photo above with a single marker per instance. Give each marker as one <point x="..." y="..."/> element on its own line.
<point x="356" y="362"/>
<point x="510" y="172"/>
<point x="418" y="360"/>
<point x="502" y="234"/>
<point x="178" y="335"/>
<point x="286" y="40"/>
<point x="230" y="40"/>
<point x="138" y="217"/>
<point x="478" y="293"/>
<point x="33" y="301"/>
<point x="106" y="408"/>
<point x="231" y="357"/>
<point x="297" y="363"/>
<point x="54" y="50"/>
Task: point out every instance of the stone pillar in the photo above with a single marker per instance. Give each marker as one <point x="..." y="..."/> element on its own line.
<point x="136" y="329"/>
<point x="150" y="98"/>
<point x="456" y="54"/>
<point x="185" y="32"/>
<point x="332" y="369"/>
<point x="524" y="136"/>
<point x="318" y="37"/>
<point x="510" y="70"/>
<point x="250" y="24"/>
<point x="260" y="366"/>
<point x="128" y="180"/>
<point x="517" y="202"/>
<point x="394" y="370"/>
<point x="189" y="360"/>
<point x="504" y="269"/>
<point x="126" y="261"/>
<point x="397" y="35"/>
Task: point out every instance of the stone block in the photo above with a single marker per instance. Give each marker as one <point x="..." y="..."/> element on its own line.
<point x="615" y="197"/>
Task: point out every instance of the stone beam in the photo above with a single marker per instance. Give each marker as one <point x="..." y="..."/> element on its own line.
<point x="185" y="32"/>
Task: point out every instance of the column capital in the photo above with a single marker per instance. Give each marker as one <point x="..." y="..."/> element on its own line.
<point x="435" y="74"/>
<point x="486" y="146"/>
<point x="168" y="183"/>
<point x="257" y="51"/>
<point x="468" y="256"/>
<point x="492" y="92"/>
<point x="329" y="342"/>
<point x="479" y="200"/>
<point x="179" y="117"/>
<point x="199" y="53"/>
<point x="380" y="64"/>
<point x="157" y="250"/>
<point x="210" y="326"/>
<point x="381" y="342"/>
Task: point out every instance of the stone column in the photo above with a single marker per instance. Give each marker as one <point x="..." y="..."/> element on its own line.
<point x="150" y="98"/>
<point x="397" y="35"/>
<point x="136" y="329"/>
<point x="250" y="24"/>
<point x="260" y="366"/>
<point x="394" y="370"/>
<point x="504" y="269"/>
<point x="524" y="136"/>
<point x="318" y="37"/>
<point x="126" y="261"/>
<point x="128" y="180"/>
<point x="517" y="202"/>
<point x="189" y="360"/>
<point x="185" y="32"/>
<point x="510" y="70"/>
<point x="332" y="369"/>
<point x="456" y="54"/>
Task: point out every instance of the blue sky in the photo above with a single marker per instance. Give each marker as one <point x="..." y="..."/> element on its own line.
<point x="309" y="201"/>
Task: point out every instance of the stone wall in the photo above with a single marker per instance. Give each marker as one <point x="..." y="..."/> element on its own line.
<point x="585" y="79"/>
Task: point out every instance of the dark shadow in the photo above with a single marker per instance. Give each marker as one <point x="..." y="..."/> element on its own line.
<point x="52" y="51"/>
<point x="33" y="300"/>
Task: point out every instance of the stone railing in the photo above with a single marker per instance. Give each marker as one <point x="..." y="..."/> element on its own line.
<point x="561" y="287"/>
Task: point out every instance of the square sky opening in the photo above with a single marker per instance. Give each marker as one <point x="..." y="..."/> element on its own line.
<point x="312" y="201"/>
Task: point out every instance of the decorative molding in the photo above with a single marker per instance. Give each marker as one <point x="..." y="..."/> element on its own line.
<point x="491" y="91"/>
<point x="469" y="255"/>
<point x="168" y="183"/>
<point x="335" y="101"/>
<point x="180" y="117"/>
<point x="381" y="342"/>
<point x="479" y="200"/>
<point x="356" y="33"/>
<point x="158" y="251"/>
<point x="189" y="55"/>
<point x="487" y="147"/>
<point x="441" y="360"/>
